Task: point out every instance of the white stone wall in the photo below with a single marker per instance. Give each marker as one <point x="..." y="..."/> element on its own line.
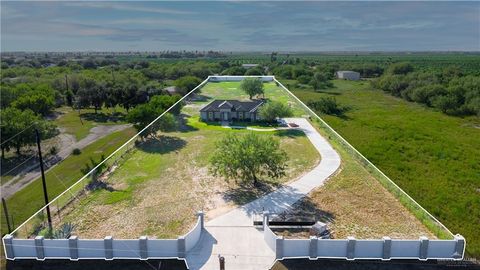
<point x="108" y="248"/>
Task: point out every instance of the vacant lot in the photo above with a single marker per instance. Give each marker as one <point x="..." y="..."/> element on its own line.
<point x="27" y="201"/>
<point x="79" y="122"/>
<point x="432" y="156"/>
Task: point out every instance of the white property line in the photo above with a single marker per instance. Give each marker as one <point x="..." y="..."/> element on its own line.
<point x="357" y="152"/>
<point x="112" y="154"/>
<point x="272" y="78"/>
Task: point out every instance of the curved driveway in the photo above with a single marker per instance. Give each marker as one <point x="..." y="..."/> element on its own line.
<point x="233" y="236"/>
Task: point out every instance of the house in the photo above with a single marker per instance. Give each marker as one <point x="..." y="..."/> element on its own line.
<point x="348" y="75"/>
<point x="232" y="110"/>
<point x="247" y="66"/>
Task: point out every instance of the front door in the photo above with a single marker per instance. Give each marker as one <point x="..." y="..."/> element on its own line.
<point x="225" y="116"/>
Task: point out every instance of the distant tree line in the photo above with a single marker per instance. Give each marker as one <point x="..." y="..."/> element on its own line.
<point x="449" y="90"/>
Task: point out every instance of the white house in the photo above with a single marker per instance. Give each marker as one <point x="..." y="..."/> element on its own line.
<point x="348" y="75"/>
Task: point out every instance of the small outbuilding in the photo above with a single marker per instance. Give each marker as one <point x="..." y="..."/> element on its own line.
<point x="348" y="75"/>
<point x="247" y="66"/>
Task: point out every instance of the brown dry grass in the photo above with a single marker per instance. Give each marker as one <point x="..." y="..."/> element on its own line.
<point x="159" y="188"/>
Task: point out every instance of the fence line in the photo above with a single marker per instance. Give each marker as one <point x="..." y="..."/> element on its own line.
<point x="112" y="154"/>
<point x="108" y="248"/>
<point x="364" y="159"/>
<point x="369" y="249"/>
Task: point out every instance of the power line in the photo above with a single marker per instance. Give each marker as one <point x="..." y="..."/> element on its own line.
<point x="19" y="165"/>
<point x="11" y="138"/>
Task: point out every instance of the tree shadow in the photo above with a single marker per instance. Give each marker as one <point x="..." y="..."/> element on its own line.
<point x="162" y="144"/>
<point x="328" y="93"/>
<point x="199" y="98"/>
<point x="245" y="193"/>
<point x="9" y="165"/>
<point x="183" y="125"/>
<point x="290" y="133"/>
<point x="102" y="117"/>
<point x="304" y="210"/>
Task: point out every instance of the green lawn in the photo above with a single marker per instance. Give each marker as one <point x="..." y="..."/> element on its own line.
<point x="432" y="156"/>
<point x="27" y="201"/>
<point x="79" y="122"/>
<point x="232" y="90"/>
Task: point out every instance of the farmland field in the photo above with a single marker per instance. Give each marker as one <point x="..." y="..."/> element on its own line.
<point x="432" y="156"/>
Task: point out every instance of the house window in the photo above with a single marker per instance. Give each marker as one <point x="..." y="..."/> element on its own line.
<point x="210" y="115"/>
<point x="240" y="115"/>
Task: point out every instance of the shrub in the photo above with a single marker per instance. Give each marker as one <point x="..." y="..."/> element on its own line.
<point x="273" y="110"/>
<point x="76" y="152"/>
<point x="328" y="105"/>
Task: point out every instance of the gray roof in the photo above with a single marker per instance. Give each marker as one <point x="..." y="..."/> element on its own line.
<point x="234" y="105"/>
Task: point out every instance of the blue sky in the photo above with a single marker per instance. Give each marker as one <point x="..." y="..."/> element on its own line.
<point x="240" y="26"/>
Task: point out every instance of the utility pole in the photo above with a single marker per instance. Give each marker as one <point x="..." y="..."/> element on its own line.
<point x="44" y="183"/>
<point x="7" y="217"/>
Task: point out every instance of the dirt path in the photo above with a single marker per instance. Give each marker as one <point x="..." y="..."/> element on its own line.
<point x="67" y="143"/>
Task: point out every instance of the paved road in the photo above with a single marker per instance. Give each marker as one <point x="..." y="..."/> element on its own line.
<point x="232" y="234"/>
<point x="67" y="144"/>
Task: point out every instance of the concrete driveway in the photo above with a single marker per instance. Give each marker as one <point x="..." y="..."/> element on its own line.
<point x="233" y="236"/>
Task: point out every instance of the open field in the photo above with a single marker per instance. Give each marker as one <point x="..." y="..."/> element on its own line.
<point x="79" y="122"/>
<point x="28" y="200"/>
<point x="432" y="156"/>
<point x="356" y="204"/>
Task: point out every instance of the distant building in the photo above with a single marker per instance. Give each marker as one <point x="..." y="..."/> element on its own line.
<point x="247" y="66"/>
<point x="231" y="110"/>
<point x="348" y="75"/>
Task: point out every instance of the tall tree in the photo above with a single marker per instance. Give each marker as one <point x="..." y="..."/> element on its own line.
<point x="186" y="84"/>
<point x="248" y="158"/>
<point x="144" y="114"/>
<point x="252" y="86"/>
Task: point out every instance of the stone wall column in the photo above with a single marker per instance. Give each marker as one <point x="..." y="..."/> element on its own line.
<point x="459" y="247"/>
<point x="143" y="247"/>
<point x="8" y="245"/>
<point x="181" y="247"/>
<point x="108" y="245"/>
<point x="423" y="252"/>
<point x="279" y="247"/>
<point x="39" y="248"/>
<point x="387" y="248"/>
<point x="313" y="247"/>
<point x="351" y="248"/>
<point x="266" y="219"/>
<point x="201" y="215"/>
<point x="73" y="246"/>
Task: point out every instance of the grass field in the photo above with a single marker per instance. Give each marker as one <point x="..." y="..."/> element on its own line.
<point x="432" y="156"/>
<point x="161" y="185"/>
<point x="79" y="122"/>
<point x="232" y="90"/>
<point x="27" y="201"/>
<point x="356" y="204"/>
